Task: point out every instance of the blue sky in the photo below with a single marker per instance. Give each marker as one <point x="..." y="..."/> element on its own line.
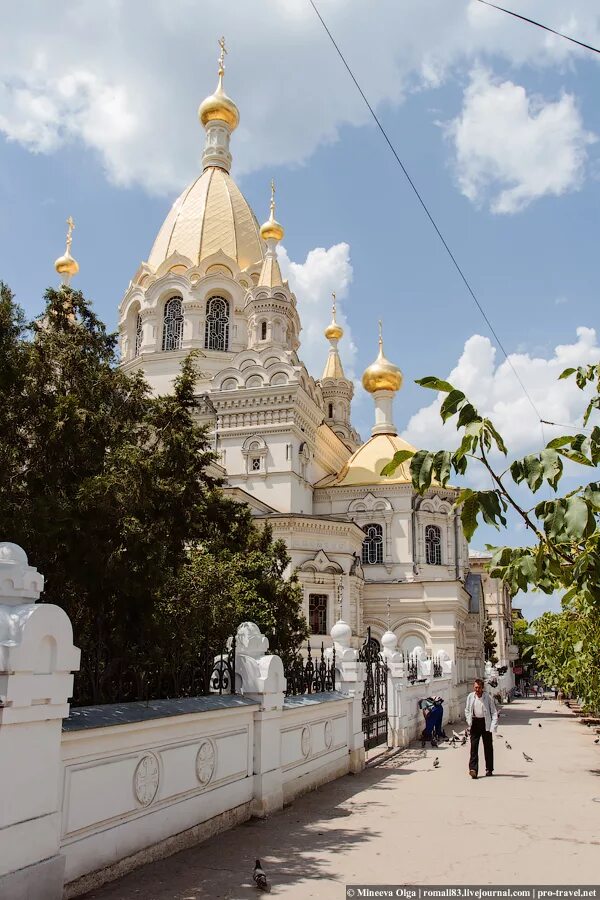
<point x="497" y="122"/>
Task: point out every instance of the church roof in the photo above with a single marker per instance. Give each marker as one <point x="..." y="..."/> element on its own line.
<point x="365" y="464"/>
<point x="333" y="366"/>
<point x="211" y="214"/>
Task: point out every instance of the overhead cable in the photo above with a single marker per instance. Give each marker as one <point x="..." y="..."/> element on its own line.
<point x="430" y="217"/>
<point x="509" y="12"/>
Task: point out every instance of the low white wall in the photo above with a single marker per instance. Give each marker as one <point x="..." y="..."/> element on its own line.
<point x="173" y="773"/>
<point x="315" y="734"/>
<point x="408" y="723"/>
<point x="129" y="787"/>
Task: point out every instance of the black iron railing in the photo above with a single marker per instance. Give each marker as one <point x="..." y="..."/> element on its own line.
<point x="437" y="668"/>
<point x="375" y="694"/>
<point x="211" y="671"/>
<point x="411" y="669"/>
<point x="310" y="674"/>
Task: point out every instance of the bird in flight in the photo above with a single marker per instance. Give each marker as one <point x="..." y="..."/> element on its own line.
<point x="260" y="879"/>
<point x="508" y="747"/>
<point x="528" y="758"/>
<point x="436" y="763"/>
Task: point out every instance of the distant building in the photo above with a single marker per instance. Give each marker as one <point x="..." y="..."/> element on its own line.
<point x="498" y="609"/>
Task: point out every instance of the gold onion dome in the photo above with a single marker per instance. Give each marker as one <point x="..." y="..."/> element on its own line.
<point x="65" y="265"/>
<point x="272" y="229"/>
<point x="334" y="331"/>
<point x="218" y="107"/>
<point x="382" y="375"/>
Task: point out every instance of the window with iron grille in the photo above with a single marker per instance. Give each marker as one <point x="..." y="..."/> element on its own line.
<point x="317" y="613"/>
<point x="216" y="336"/>
<point x="138" y="335"/>
<point x="255" y="464"/>
<point x="173" y="324"/>
<point x="372" y="548"/>
<point x="433" y="545"/>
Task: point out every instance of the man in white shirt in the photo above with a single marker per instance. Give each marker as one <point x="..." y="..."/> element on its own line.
<point x="482" y="721"/>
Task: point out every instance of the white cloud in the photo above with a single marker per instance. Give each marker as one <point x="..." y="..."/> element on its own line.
<point x="124" y="77"/>
<point x="496" y="393"/>
<point x="313" y="281"/>
<point x="512" y="148"/>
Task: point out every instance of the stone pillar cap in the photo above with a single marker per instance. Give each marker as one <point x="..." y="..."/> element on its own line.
<point x="19" y="582"/>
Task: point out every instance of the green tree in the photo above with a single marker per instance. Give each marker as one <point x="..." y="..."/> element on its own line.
<point x="566" y="553"/>
<point x="490" y="644"/>
<point x="525" y="640"/>
<point x="107" y="487"/>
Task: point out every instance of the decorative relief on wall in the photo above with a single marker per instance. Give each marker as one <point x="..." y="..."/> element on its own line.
<point x="146" y="779"/>
<point x="305" y="741"/>
<point x="328" y="734"/>
<point x="206" y="759"/>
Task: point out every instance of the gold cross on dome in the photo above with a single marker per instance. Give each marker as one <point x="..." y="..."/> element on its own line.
<point x="380" y="333"/>
<point x="333" y="304"/>
<point x="272" y="195"/>
<point x="388" y="613"/>
<point x="71" y="225"/>
<point x="222" y="56"/>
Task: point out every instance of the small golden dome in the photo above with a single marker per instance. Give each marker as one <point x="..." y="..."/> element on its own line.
<point x="382" y="375"/>
<point x="272" y="229"/>
<point x="219" y="107"/>
<point x="66" y="265"/>
<point x="334" y="331"/>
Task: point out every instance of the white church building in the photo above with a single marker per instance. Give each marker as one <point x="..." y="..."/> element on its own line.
<point x="365" y="547"/>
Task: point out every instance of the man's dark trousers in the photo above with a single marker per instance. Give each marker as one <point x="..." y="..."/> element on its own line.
<point x="478" y="731"/>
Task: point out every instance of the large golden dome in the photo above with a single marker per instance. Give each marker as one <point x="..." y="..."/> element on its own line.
<point x="211" y="214"/>
<point x="365" y="465"/>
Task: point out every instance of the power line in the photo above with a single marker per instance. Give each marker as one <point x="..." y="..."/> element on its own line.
<point x="539" y="25"/>
<point x="578" y="428"/>
<point x="429" y="216"/>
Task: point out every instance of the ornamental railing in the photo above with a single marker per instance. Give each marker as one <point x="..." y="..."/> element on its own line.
<point x="310" y="674"/>
<point x="437" y="668"/>
<point x="210" y="671"/>
<point x="412" y="671"/>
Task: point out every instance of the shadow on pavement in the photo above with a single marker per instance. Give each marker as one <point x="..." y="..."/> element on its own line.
<point x="292" y="845"/>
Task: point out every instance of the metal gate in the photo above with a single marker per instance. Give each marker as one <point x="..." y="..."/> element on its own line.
<point x="375" y="697"/>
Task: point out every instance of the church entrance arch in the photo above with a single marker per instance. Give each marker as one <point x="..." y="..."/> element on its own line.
<point x="375" y="696"/>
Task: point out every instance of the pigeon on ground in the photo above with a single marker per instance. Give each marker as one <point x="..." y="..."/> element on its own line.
<point x="597" y="740"/>
<point x="260" y="879"/>
<point x="528" y="758"/>
<point x="539" y="724"/>
<point x="539" y="707"/>
<point x="508" y="747"/>
<point x="457" y="736"/>
<point x="436" y="763"/>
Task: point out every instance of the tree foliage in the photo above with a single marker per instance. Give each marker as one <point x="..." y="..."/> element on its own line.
<point x="490" y="644"/>
<point x="107" y="489"/>
<point x="565" y="555"/>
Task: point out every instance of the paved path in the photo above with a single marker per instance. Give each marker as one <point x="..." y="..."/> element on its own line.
<point x="404" y="822"/>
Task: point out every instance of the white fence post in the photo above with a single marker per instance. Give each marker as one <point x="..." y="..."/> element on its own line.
<point x="262" y="679"/>
<point x="37" y="658"/>
<point x="350" y="679"/>
<point x="397" y="719"/>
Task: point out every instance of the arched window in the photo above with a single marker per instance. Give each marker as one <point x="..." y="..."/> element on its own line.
<point x="263" y="331"/>
<point x="330" y="411"/>
<point x="138" y="335"/>
<point x="372" y="548"/>
<point x="433" y="545"/>
<point x="173" y="324"/>
<point x="216" y="336"/>
<point x="317" y="613"/>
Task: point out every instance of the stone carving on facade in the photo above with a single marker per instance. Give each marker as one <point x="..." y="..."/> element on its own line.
<point x="146" y="779"/>
<point x="205" y="762"/>
<point x="328" y="734"/>
<point x="305" y="742"/>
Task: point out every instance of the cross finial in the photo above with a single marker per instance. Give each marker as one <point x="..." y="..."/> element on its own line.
<point x="333" y="306"/>
<point x="340" y="597"/>
<point x="380" y="335"/>
<point x="71" y="226"/>
<point x="388" y="613"/>
<point x="272" y="196"/>
<point x="222" y="56"/>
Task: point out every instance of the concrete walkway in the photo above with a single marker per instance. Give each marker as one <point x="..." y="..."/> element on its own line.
<point x="404" y="822"/>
